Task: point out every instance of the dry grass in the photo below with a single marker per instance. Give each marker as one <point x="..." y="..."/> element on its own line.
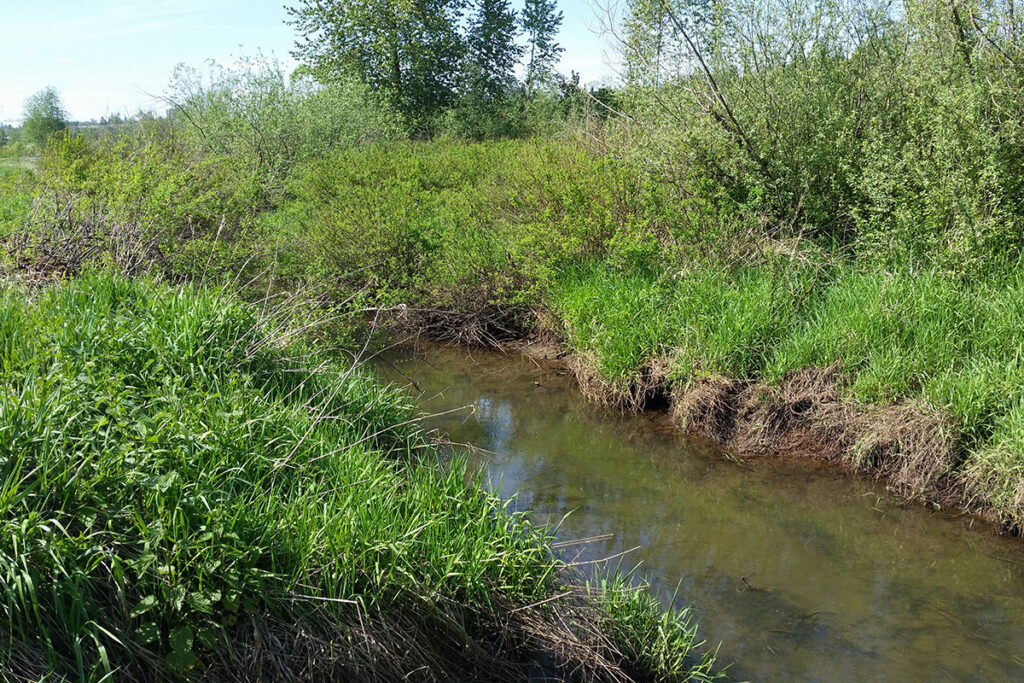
<point x="399" y="646"/>
<point x="806" y="415"/>
<point x="647" y="388"/>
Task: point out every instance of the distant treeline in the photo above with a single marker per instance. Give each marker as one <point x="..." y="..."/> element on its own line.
<point x="425" y="57"/>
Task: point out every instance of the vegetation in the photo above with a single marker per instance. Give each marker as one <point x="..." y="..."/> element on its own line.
<point x="541" y="20"/>
<point x="178" y="480"/>
<point x="798" y="225"/>
<point x="427" y="58"/>
<point x="44" y="116"/>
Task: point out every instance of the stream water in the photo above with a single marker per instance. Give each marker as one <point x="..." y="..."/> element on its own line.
<point x="802" y="572"/>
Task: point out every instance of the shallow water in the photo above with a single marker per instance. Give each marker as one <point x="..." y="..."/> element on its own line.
<point x="801" y="571"/>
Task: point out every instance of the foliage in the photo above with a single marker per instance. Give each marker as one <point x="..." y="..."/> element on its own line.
<point x="634" y="265"/>
<point x="651" y="638"/>
<point x="184" y="195"/>
<point x="410" y="52"/>
<point x="269" y="123"/>
<point x="955" y="345"/>
<point x="491" y="50"/>
<point x="893" y="133"/>
<point x="44" y="115"/>
<point x="142" y="199"/>
<point x="541" y="21"/>
<point x="644" y="48"/>
<point x="706" y="320"/>
<point x="171" y="467"/>
<point x="789" y="186"/>
<point x="777" y="186"/>
<point x="15" y="196"/>
<point x="444" y="65"/>
<point x="490" y="223"/>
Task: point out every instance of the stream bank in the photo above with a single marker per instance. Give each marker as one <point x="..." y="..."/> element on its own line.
<point x="910" y="447"/>
<point x="803" y="571"/>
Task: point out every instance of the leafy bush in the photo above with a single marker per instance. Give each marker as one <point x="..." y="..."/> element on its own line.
<point x="895" y="132"/>
<point x="268" y="123"/>
<point x="448" y="218"/>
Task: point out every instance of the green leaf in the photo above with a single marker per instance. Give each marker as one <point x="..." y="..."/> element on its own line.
<point x="232" y="600"/>
<point x="180" y="662"/>
<point x="177" y="596"/>
<point x="181" y="639"/>
<point x="207" y="637"/>
<point x="166" y="481"/>
<point x="204" y="600"/>
<point x="147" y="633"/>
<point x="147" y="603"/>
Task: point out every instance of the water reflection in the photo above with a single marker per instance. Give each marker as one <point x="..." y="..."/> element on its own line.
<point x="800" y="571"/>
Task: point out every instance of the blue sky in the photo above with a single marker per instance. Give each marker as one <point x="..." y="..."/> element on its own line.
<point x="112" y="56"/>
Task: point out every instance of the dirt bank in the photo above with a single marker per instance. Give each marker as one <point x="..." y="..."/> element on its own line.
<point x="908" y="444"/>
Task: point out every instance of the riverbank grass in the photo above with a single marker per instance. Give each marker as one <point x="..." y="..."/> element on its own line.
<point x="185" y="493"/>
<point x="952" y="347"/>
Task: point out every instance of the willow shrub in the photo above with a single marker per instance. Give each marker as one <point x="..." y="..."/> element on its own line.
<point x="268" y="122"/>
<point x="437" y="222"/>
<point x="893" y="132"/>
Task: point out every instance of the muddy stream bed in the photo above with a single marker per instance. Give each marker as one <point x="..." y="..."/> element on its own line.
<point x="801" y="571"/>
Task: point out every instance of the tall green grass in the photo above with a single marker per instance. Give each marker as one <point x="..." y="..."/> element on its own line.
<point x="706" y="321"/>
<point x="169" y="467"/>
<point x="957" y="345"/>
<point x="620" y="319"/>
<point x="15" y="208"/>
<point x="15" y="197"/>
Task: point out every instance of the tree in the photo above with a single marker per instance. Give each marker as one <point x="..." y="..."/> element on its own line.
<point x="44" y="116"/>
<point x="541" y="23"/>
<point x="646" y="36"/>
<point x="492" y="53"/>
<point x="408" y="50"/>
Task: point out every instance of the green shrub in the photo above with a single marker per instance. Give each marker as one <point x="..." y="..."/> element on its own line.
<point x="268" y="123"/>
<point x="892" y="131"/>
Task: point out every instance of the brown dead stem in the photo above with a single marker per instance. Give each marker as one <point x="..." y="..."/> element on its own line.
<point x="997" y="493"/>
<point x="562" y="639"/>
<point x="487" y="326"/>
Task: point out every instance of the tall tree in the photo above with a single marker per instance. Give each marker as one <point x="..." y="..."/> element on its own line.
<point x="647" y="33"/>
<point x="541" y="21"/>
<point x="44" y="116"/>
<point x="410" y="50"/>
<point x="492" y="50"/>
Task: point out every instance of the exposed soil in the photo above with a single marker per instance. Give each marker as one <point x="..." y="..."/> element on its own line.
<point x="807" y="415"/>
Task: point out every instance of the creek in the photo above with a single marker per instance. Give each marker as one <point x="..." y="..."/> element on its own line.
<point x="800" y="570"/>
